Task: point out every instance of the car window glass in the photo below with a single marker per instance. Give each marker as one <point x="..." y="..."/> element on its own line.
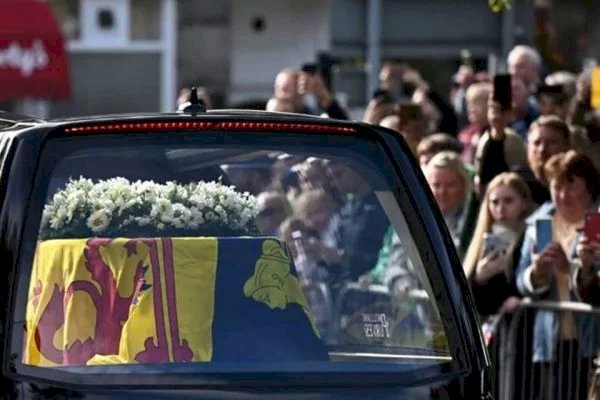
<point x="213" y="255"/>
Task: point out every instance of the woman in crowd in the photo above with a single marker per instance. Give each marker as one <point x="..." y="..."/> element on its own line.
<point x="491" y="262"/>
<point x="494" y="252"/>
<point x="562" y="343"/>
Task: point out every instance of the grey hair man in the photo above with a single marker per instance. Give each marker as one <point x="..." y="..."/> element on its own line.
<point x="526" y="63"/>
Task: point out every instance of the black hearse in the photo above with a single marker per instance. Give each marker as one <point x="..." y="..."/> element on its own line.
<point x="136" y="265"/>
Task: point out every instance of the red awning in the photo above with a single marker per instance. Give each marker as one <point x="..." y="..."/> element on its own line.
<point x="33" y="60"/>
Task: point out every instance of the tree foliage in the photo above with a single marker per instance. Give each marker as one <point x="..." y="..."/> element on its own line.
<point x="499" y="5"/>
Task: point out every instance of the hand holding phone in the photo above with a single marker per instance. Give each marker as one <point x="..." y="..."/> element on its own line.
<point x="310" y="68"/>
<point x="592" y="227"/>
<point x="492" y="243"/>
<point x="543" y="233"/>
<point x="383" y="96"/>
<point x="409" y="111"/>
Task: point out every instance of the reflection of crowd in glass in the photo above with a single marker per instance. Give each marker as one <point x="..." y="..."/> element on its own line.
<point x="493" y="172"/>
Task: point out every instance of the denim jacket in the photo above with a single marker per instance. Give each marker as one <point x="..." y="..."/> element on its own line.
<point x="546" y="324"/>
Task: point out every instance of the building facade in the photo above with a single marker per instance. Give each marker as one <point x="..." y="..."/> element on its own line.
<point x="134" y="55"/>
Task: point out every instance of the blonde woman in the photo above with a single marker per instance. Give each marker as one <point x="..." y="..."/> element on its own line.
<point x="491" y="262"/>
<point x="493" y="254"/>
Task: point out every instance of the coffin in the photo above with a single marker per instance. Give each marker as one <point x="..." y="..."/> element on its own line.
<point x="102" y="301"/>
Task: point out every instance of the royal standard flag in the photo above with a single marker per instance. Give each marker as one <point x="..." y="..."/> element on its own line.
<point x="166" y="300"/>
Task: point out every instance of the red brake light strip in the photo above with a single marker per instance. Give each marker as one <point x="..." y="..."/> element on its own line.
<point x="209" y="126"/>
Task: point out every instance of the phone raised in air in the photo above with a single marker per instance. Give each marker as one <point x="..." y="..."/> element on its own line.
<point x="503" y="91"/>
<point x="384" y="95"/>
<point x="543" y="233"/>
<point x="310" y="68"/>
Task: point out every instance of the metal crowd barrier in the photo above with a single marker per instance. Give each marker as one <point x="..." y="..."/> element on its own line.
<point x="567" y="375"/>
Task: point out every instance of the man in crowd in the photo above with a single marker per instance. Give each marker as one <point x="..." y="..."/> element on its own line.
<point x="524" y="106"/>
<point x="525" y="63"/>
<point x="305" y="93"/>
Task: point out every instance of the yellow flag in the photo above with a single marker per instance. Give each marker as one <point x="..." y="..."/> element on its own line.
<point x="102" y="301"/>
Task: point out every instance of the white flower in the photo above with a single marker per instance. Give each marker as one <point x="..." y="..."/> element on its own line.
<point x="99" y="221"/>
<point x="61" y="213"/>
<point x="181" y="215"/>
<point x="131" y="203"/>
<point x="196" y="219"/>
<point x="161" y="208"/>
<point x="56" y="222"/>
<point x="143" y="221"/>
<point x="211" y="216"/>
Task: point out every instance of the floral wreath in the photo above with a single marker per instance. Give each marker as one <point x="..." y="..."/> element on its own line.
<point x="119" y="207"/>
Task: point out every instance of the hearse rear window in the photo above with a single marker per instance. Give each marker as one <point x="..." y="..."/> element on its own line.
<point x="163" y="252"/>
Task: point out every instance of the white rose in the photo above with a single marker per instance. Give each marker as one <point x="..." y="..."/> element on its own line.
<point x="99" y="220"/>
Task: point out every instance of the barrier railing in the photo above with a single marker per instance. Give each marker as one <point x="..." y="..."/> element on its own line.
<point x="548" y="360"/>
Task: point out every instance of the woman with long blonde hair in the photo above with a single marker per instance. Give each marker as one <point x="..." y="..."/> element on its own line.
<point x="493" y="254"/>
<point x="491" y="263"/>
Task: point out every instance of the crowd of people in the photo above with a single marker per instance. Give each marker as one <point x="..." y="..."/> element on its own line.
<point x="494" y="171"/>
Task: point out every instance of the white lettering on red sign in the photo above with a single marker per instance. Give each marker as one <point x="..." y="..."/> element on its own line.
<point x="24" y="59"/>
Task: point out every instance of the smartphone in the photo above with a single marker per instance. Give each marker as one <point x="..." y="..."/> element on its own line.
<point x="592" y="227"/>
<point x="384" y="95"/>
<point x="410" y="112"/>
<point x="491" y="242"/>
<point x="310" y="68"/>
<point x="543" y="233"/>
<point x="503" y="91"/>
